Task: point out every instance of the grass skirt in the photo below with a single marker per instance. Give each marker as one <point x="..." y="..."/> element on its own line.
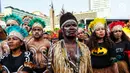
<point x="122" y="67"/>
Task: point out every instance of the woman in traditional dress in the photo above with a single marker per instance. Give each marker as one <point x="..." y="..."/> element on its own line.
<point x="121" y="44"/>
<point x="18" y="57"/>
<point x="10" y="20"/>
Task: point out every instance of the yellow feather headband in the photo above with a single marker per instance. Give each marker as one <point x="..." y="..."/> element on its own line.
<point x="96" y="23"/>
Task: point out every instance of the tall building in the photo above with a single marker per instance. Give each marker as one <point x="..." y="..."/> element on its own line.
<point x="102" y="7"/>
<point x="0" y="6"/>
<point x="52" y="24"/>
<point x="98" y="4"/>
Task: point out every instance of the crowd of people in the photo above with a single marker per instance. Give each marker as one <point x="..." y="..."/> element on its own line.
<point x="25" y="47"/>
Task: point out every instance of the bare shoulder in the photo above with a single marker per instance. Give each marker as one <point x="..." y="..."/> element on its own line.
<point x="47" y="42"/>
<point x="28" y="39"/>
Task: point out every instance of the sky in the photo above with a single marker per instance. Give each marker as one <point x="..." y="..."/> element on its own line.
<point x="119" y="8"/>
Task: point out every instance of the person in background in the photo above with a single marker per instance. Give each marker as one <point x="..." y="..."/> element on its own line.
<point x="54" y="38"/>
<point x="46" y="36"/>
<point x="121" y="44"/>
<point x="3" y="37"/>
<point x="12" y="19"/>
<point x="26" y="19"/>
<point x="103" y="55"/>
<point x="3" y="34"/>
<point x="82" y="36"/>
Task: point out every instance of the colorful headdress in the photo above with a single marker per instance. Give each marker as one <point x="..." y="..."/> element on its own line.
<point x="116" y="25"/>
<point x="13" y="17"/>
<point x="96" y="23"/>
<point x="27" y="19"/>
<point x="126" y="29"/>
<point x="54" y="35"/>
<point x="40" y="22"/>
<point x="80" y="30"/>
<point x="81" y="25"/>
<point x="17" y="31"/>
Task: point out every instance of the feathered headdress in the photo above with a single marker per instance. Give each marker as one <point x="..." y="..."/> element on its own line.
<point x="54" y="35"/>
<point x="27" y="19"/>
<point x="17" y="31"/>
<point x="13" y="17"/>
<point x="126" y="29"/>
<point x="39" y="21"/>
<point x="116" y="25"/>
<point x="96" y="23"/>
<point x="81" y="25"/>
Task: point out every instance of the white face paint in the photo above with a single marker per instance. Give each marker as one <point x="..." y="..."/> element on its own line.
<point x="70" y="29"/>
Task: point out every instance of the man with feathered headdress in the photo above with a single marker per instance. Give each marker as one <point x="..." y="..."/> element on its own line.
<point x="37" y="44"/>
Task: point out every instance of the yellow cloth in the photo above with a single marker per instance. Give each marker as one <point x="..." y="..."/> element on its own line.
<point x="126" y="31"/>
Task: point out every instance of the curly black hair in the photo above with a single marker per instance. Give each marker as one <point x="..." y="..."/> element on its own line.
<point x="93" y="41"/>
<point x="123" y="37"/>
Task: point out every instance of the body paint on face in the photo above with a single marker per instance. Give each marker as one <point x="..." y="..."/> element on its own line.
<point x="71" y="21"/>
<point x="71" y="31"/>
